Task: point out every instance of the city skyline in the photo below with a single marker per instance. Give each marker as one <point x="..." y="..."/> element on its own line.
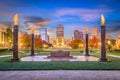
<point x="72" y="15"/>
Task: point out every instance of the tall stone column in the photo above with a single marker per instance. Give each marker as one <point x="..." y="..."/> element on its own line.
<point x="15" y="43"/>
<point x="32" y="45"/>
<point x="87" y="49"/>
<point x="103" y="34"/>
<point x="103" y="48"/>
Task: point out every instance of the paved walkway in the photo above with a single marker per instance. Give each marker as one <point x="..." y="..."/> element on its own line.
<point x="5" y="56"/>
<point x="60" y="75"/>
<point x="114" y="56"/>
<point x="44" y="58"/>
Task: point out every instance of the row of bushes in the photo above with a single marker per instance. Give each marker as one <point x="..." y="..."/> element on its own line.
<point x="1" y="50"/>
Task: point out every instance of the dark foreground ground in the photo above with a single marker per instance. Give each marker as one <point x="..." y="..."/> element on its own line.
<point x="60" y="75"/>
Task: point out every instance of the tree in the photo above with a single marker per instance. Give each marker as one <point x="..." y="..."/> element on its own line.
<point x="9" y="36"/>
<point x="110" y="43"/>
<point x="38" y="42"/>
<point x="75" y="44"/>
<point x="26" y="40"/>
<point x="94" y="42"/>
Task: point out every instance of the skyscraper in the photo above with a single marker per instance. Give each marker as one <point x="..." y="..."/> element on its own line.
<point x="60" y="31"/>
<point x="95" y="31"/>
<point x="43" y="33"/>
<point x="78" y="35"/>
<point x="60" y="35"/>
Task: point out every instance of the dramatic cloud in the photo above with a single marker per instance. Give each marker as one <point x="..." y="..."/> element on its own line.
<point x="113" y="29"/>
<point x="8" y="4"/>
<point x="84" y="14"/>
<point x="38" y="21"/>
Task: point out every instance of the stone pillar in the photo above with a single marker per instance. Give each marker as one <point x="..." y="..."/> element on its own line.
<point x="32" y="45"/>
<point x="87" y="49"/>
<point x="15" y="45"/>
<point x="103" y="48"/>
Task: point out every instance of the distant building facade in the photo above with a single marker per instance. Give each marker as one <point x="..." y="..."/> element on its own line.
<point x="78" y="35"/>
<point x="2" y="35"/>
<point x="95" y="31"/>
<point x="118" y="42"/>
<point x="3" y="42"/>
<point x="43" y="33"/>
<point x="52" y="41"/>
<point x="60" y="35"/>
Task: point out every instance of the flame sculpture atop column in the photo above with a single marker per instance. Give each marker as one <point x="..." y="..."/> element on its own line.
<point x="87" y="30"/>
<point x="103" y="35"/>
<point x="32" y="29"/>
<point x="16" y="19"/>
<point x="102" y="20"/>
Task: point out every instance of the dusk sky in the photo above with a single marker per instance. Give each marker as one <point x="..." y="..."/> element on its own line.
<point x="72" y="14"/>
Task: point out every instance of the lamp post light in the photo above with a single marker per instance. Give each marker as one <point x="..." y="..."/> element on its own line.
<point x="103" y="48"/>
<point x="15" y="43"/>
<point x="32" y="42"/>
<point x="87" y="49"/>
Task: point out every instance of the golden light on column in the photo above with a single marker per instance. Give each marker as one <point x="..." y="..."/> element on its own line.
<point x="16" y="19"/>
<point x="87" y="30"/>
<point x="102" y="20"/>
<point x="32" y="29"/>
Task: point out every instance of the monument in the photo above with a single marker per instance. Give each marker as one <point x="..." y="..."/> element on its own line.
<point x="103" y="33"/>
<point x="87" y="47"/>
<point x="15" y="43"/>
<point x="32" y="41"/>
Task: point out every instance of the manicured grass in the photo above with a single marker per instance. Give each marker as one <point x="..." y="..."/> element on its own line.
<point x="117" y="53"/>
<point x="114" y="64"/>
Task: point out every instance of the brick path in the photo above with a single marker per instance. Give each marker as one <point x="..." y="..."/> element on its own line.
<point x="60" y="75"/>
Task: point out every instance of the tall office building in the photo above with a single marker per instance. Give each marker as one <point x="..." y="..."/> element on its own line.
<point x="60" y="35"/>
<point x="43" y="33"/>
<point x="78" y="35"/>
<point x="95" y="31"/>
<point x="48" y="38"/>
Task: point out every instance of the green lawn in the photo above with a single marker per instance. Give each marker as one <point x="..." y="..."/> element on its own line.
<point x="117" y="53"/>
<point x="5" y="64"/>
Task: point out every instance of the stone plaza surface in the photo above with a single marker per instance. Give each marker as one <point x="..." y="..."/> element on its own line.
<point x="44" y="58"/>
<point x="60" y="75"/>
